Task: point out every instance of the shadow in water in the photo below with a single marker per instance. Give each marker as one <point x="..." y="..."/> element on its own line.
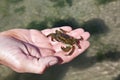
<point x="111" y="55"/>
<point x="104" y="1"/>
<point x="53" y="73"/>
<point x="117" y="78"/>
<point x="62" y="3"/>
<point x="66" y="22"/>
<point x="95" y="26"/>
<point x="83" y="61"/>
<point x="37" y="25"/>
<point x="13" y="76"/>
<point x="40" y="25"/>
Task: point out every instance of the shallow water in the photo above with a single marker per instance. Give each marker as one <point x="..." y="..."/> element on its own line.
<point x="101" y="18"/>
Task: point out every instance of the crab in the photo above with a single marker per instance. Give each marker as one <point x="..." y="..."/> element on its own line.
<point x="61" y="36"/>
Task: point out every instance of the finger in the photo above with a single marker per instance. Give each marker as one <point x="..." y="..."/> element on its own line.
<point x="39" y="66"/>
<point x="48" y="31"/>
<point x="46" y="52"/>
<point x="85" y="35"/>
<point x="39" y="39"/>
<point x="77" y="32"/>
<point x="84" y="45"/>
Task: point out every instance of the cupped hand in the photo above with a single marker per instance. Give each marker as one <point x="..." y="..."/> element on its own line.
<point x="31" y="51"/>
<point x="76" y="33"/>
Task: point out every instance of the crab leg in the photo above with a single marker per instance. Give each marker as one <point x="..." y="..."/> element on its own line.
<point x="63" y="30"/>
<point x="51" y="35"/>
<point x="73" y="49"/>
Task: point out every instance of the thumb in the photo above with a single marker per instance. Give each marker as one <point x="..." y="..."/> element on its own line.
<point x="39" y="66"/>
<point x="48" y="61"/>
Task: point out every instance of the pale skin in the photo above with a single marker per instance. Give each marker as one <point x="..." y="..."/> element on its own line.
<point x="30" y="51"/>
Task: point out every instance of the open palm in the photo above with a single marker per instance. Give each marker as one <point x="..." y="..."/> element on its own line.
<point x="31" y="51"/>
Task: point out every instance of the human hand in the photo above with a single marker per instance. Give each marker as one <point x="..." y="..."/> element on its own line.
<point x="26" y="51"/>
<point x="31" y="51"/>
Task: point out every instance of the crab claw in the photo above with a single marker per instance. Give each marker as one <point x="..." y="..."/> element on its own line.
<point x="67" y="49"/>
